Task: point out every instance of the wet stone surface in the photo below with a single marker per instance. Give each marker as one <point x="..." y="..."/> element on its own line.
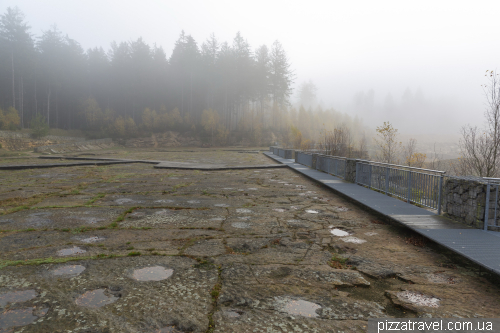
<point x="16" y="296"/>
<point x="96" y="298"/>
<point x="155" y="273"/>
<point x="68" y="270"/>
<point x="72" y="251"/>
<point x="180" y="250"/>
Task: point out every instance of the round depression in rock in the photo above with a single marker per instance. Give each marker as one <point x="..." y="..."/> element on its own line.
<point x="154" y="273"/>
<point x="95" y="299"/>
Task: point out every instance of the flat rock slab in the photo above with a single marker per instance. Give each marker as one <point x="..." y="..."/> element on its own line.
<point x="183" y="299"/>
<point x="212" y="167"/>
<point x="57" y="165"/>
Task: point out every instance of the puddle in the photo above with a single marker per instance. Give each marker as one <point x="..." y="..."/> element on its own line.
<point x="243" y="211"/>
<point x="14" y="318"/>
<point x="163" y="212"/>
<point x="231" y="314"/>
<point x="123" y="200"/>
<point x="73" y="250"/>
<point x="279" y="210"/>
<point x="441" y="278"/>
<point x="371" y="233"/>
<point x="252" y="189"/>
<point x="138" y="214"/>
<point x="301" y="308"/>
<point x="5" y="221"/>
<point x="418" y="299"/>
<point x="155" y="273"/>
<point x="16" y="296"/>
<point x="163" y="201"/>
<point x="91" y="239"/>
<point x="221" y="205"/>
<point x="339" y="232"/>
<point x="69" y="270"/>
<point x="95" y="299"/>
<point x="311" y="211"/>
<point x="354" y="240"/>
<point x="194" y="201"/>
<point x="241" y="225"/>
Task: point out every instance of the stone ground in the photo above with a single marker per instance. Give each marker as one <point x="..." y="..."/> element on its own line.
<point x="130" y="248"/>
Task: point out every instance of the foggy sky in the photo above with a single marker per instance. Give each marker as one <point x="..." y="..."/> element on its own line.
<point x="442" y="48"/>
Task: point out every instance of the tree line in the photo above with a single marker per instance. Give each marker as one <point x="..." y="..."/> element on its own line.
<point x="52" y="75"/>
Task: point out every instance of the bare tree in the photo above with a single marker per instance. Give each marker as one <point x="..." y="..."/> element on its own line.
<point x="338" y="142"/>
<point x="480" y="147"/>
<point x="387" y="142"/>
<point x="411" y="156"/>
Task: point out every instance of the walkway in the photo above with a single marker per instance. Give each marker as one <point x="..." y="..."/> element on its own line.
<point x="481" y="247"/>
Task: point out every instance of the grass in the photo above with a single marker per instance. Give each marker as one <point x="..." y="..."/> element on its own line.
<point x="50" y="260"/>
<point x="121" y="217"/>
<point x="134" y="254"/>
<point x="339" y="263"/>
<point x="215" y="293"/>
<point x="82" y="229"/>
<point x="94" y="199"/>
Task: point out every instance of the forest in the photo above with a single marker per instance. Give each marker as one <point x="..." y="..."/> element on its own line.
<point x="135" y="86"/>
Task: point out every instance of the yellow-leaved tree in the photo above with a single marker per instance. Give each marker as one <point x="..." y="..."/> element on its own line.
<point x="209" y="121"/>
<point x="9" y="119"/>
<point x="92" y="113"/>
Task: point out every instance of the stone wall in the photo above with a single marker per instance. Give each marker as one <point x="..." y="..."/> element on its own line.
<point x="464" y="201"/>
<point x="350" y="170"/>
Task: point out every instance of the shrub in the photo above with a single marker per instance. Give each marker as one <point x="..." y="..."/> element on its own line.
<point x="39" y="127"/>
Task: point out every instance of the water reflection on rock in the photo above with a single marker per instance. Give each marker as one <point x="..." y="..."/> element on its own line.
<point x="14" y="318"/>
<point x="95" y="299"/>
<point x="69" y="270"/>
<point x="16" y="296"/>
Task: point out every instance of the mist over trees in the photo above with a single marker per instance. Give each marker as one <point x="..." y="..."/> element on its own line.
<point x="135" y="86"/>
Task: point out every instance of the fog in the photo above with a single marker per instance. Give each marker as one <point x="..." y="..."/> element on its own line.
<point x="429" y="57"/>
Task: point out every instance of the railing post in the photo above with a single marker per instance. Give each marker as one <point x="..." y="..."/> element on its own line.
<point x="440" y="193"/>
<point x="370" y="177"/>
<point x="386" y="180"/>
<point x="357" y="173"/>
<point x="409" y="187"/>
<point x="487" y="207"/>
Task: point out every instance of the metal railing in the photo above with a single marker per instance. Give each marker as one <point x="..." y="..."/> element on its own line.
<point x="304" y="158"/>
<point x="333" y="165"/>
<point x="414" y="185"/>
<point x="492" y="186"/>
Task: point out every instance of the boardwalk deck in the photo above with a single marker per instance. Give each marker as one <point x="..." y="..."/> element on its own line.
<point x="481" y="247"/>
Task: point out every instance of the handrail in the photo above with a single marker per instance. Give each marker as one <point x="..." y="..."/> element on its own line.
<point x="401" y="166"/>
